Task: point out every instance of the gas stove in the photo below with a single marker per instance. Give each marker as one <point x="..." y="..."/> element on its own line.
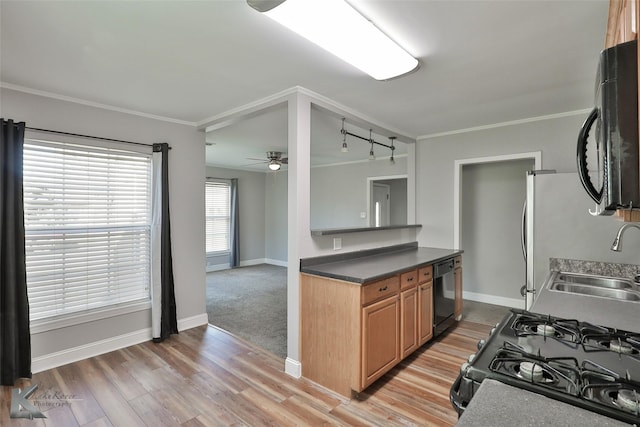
<point x="589" y="366"/>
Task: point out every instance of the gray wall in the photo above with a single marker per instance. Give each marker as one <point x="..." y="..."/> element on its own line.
<point x="397" y="200"/>
<point x="186" y="170"/>
<point x="339" y="193"/>
<point x="435" y="158"/>
<point x="251" y="202"/>
<point x="276" y="219"/>
<point x="491" y="210"/>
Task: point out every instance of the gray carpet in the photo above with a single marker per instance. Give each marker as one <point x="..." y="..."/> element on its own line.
<point x="251" y="303"/>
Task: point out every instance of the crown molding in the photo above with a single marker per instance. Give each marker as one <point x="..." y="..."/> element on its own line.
<point x="504" y="124"/>
<point x="59" y="97"/>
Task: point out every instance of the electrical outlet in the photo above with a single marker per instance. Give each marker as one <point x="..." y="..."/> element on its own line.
<point x="363" y="214"/>
<point x="337" y="243"/>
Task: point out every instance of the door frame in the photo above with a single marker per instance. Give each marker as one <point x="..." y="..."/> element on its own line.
<point x="536" y="156"/>
<point x="370" y="181"/>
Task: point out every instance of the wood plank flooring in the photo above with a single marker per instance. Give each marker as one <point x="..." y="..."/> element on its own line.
<point x="207" y="377"/>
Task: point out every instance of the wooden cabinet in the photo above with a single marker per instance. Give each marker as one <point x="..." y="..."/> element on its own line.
<point x="457" y="280"/>
<point x="351" y="334"/>
<point x="425" y="304"/>
<point x="380" y="339"/>
<point x="409" y="321"/>
<point x="622" y="26"/>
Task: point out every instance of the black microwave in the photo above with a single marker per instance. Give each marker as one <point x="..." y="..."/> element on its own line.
<point x="615" y="118"/>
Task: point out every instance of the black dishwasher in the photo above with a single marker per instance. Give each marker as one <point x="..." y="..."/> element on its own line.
<point x="443" y="296"/>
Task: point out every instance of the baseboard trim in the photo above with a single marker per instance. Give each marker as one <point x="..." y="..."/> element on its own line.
<point x="292" y="367"/>
<point x="276" y="262"/>
<point x="493" y="299"/>
<point x="64" y="357"/>
<point x="220" y="267"/>
<point x="193" y="321"/>
<point x="217" y="267"/>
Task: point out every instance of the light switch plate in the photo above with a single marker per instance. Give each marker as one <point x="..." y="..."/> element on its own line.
<point x="363" y="214"/>
<point x="337" y="243"/>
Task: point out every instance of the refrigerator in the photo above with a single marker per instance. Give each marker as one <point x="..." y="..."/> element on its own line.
<point x="561" y="221"/>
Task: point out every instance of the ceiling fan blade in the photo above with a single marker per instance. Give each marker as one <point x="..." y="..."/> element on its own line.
<point x="260" y="160"/>
<point x="284" y="160"/>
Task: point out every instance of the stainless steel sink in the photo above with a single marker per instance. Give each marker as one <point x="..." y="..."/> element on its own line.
<point x="619" y="294"/>
<point x="597" y="281"/>
<point x="597" y="286"/>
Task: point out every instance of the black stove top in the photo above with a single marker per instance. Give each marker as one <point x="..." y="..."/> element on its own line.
<point x="589" y="366"/>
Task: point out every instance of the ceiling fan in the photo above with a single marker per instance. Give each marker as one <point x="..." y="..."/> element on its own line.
<point x="274" y="160"/>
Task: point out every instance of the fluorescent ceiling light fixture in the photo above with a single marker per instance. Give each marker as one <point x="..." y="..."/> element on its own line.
<point x="338" y="28"/>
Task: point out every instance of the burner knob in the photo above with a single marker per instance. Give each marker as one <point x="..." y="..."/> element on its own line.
<point x="494" y="328"/>
<point x="471" y="357"/>
<point x="481" y="344"/>
<point x="464" y="367"/>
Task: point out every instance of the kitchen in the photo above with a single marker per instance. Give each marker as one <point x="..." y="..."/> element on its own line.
<point x="553" y="135"/>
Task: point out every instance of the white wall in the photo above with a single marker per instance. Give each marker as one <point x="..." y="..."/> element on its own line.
<point x="186" y="185"/>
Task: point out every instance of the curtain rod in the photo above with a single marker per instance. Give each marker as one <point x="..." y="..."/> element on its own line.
<point x="57" y="132"/>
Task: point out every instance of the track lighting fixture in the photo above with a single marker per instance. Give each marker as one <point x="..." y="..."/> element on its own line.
<point x="392" y="160"/>
<point x="345" y="149"/>
<point x="372" y="156"/>
<point x="370" y="140"/>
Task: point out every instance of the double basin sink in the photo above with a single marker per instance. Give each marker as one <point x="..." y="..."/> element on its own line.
<point x="598" y="286"/>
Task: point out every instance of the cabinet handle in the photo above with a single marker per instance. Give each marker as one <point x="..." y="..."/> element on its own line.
<point x="383" y="289"/>
<point x="410" y="279"/>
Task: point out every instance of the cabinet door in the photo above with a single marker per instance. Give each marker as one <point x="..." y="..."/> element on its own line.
<point x="408" y="321"/>
<point x="457" y="278"/>
<point x="380" y="339"/>
<point x="425" y="307"/>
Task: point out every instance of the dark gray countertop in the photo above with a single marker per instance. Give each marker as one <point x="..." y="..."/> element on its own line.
<point x="587" y="308"/>
<point x="377" y="266"/>
<point x="499" y="405"/>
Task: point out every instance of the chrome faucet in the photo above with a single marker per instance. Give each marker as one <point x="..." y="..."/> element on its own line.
<point x="617" y="242"/>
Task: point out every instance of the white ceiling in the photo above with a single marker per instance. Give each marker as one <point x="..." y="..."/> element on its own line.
<point x="482" y="62"/>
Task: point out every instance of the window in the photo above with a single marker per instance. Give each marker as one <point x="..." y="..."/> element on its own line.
<point x="218" y="212"/>
<point x="87" y="217"/>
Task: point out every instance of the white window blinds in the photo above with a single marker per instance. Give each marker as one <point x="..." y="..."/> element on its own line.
<point x="218" y="207"/>
<point x="87" y="217"/>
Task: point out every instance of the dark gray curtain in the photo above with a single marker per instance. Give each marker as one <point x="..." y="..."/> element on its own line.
<point x="15" y="338"/>
<point x="234" y="258"/>
<point x="168" y="318"/>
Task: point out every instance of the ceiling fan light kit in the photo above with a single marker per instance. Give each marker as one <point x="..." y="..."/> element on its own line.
<point x="338" y="28"/>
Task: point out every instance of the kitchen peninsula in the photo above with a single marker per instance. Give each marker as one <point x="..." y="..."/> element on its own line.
<point x="363" y="312"/>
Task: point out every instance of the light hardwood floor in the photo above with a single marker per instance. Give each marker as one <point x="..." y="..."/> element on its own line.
<point x="207" y="377"/>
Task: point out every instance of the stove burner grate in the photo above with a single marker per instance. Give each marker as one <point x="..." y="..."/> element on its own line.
<point x="563" y="330"/>
<point x="556" y="373"/>
<point x="612" y="392"/>
<point x="616" y="342"/>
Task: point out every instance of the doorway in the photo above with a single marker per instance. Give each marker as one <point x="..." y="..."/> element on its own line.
<point x="380" y="204"/>
<point x="490" y="197"/>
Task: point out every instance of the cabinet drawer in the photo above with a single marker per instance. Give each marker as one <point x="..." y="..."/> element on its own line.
<point x="457" y="262"/>
<point x="381" y="289"/>
<point x="408" y="279"/>
<point x="425" y="274"/>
